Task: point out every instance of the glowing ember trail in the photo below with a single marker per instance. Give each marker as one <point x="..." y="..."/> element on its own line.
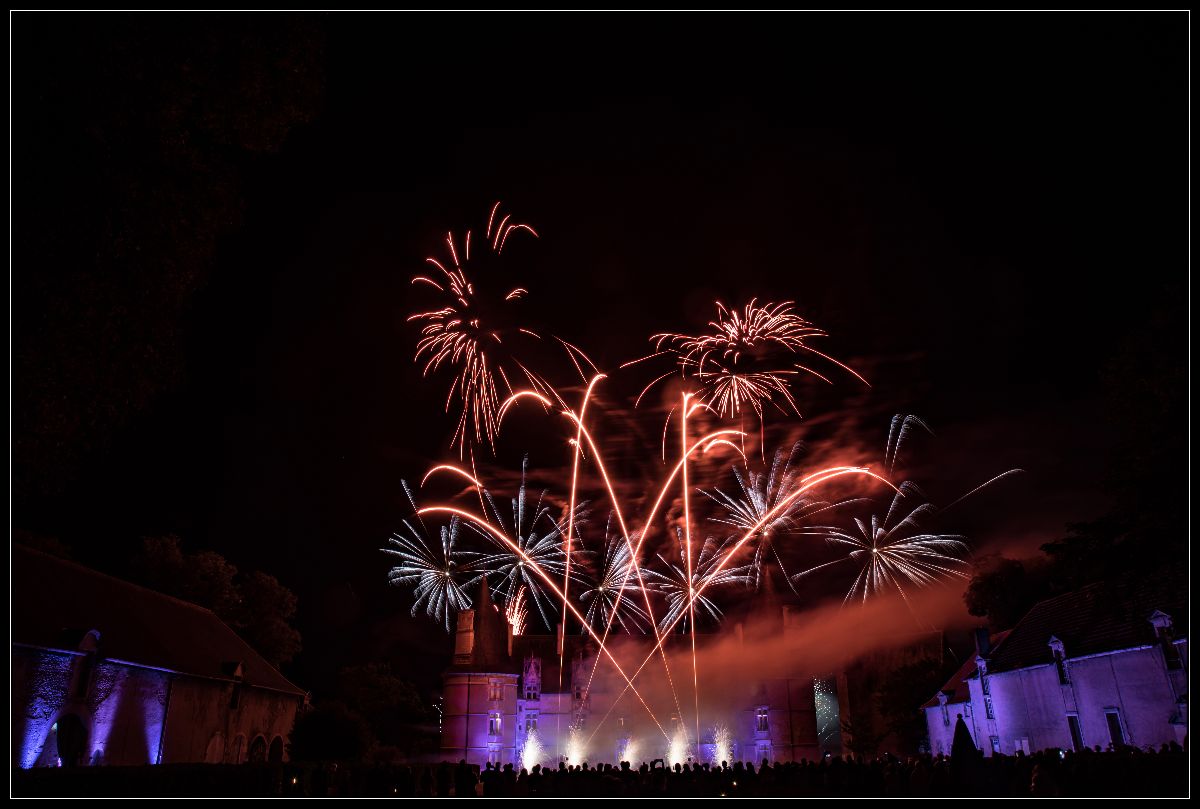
<point x="464" y="332"/>
<point x="747" y="361"/>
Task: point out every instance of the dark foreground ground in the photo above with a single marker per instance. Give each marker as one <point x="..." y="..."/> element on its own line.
<point x="1129" y="773"/>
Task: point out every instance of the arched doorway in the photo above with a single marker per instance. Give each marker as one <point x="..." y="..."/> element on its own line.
<point x="215" y="753"/>
<point x="235" y="752"/>
<point x="275" y="754"/>
<point x="258" y="750"/>
<point x="71" y="738"/>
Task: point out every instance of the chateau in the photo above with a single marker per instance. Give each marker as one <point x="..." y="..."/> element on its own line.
<point x="1102" y="666"/>
<point x="502" y="689"/>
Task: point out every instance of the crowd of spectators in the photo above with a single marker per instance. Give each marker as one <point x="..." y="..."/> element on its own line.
<point x="1051" y="773"/>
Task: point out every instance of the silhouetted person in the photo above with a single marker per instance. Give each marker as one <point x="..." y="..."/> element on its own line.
<point x="464" y="780"/>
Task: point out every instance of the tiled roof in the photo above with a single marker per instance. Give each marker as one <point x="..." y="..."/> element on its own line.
<point x="956" y="686"/>
<point x="1102" y="617"/>
<point x="54" y="602"/>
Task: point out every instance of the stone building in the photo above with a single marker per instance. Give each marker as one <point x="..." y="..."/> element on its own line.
<point x="502" y="690"/>
<point x="1104" y="665"/>
<point x="107" y="672"/>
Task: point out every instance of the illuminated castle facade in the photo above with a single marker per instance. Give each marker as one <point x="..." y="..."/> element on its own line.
<point x="1102" y="666"/>
<point x="503" y="689"/>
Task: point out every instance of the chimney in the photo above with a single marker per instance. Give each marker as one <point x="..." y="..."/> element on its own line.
<point x="983" y="642"/>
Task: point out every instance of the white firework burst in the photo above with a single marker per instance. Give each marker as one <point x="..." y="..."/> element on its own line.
<point x="707" y="575"/>
<point x="442" y="574"/>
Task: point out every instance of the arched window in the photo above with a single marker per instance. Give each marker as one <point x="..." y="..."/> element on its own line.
<point x="258" y="751"/>
<point x="275" y="754"/>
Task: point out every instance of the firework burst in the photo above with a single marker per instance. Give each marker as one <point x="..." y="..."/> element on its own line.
<point x="537" y="541"/>
<point x="442" y="574"/>
<point x="748" y="359"/>
<point x="709" y="570"/>
<point x="474" y="329"/>
<point x="760" y="495"/>
<point x="614" y="576"/>
<point x="894" y="549"/>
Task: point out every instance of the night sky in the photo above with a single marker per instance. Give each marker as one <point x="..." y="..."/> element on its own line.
<point x="215" y="220"/>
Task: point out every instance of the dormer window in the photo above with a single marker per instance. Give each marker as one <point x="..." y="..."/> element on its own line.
<point x="981" y="665"/>
<point x="1060" y="660"/>
<point x="1166" y="640"/>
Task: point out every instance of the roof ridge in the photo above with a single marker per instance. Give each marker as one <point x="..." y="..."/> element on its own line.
<point x="126" y="582"/>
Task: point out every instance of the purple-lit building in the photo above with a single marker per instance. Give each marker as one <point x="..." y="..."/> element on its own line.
<point x="1105" y="665"/>
<point x="501" y="690"/>
<point x="105" y="672"/>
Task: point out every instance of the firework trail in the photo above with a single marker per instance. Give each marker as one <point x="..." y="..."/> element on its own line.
<point x="516" y="611"/>
<point x="441" y="572"/>
<point x="747" y="359"/>
<point x="535" y="538"/>
<point x="900" y="428"/>
<point x="603" y="593"/>
<point x="708" y="571"/>
<point x="474" y="329"/>
<point x="895" y="549"/>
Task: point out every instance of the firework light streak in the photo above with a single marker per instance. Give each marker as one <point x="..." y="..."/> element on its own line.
<point x="759" y="493"/>
<point x="459" y="334"/>
<point x="536" y="569"/>
<point x="746" y="362"/>
<point x="532" y="751"/>
<point x="685" y="411"/>
<point x="681" y="590"/>
<point x="442" y="573"/>
<point x="614" y="568"/>
<point x="722" y="745"/>
<point x="806" y="484"/>
<point x="542" y="551"/>
<point x="727" y="362"/>
<point x="677" y="748"/>
<point x="576" y="746"/>
<point x="517" y="611"/>
<point x="890" y="553"/>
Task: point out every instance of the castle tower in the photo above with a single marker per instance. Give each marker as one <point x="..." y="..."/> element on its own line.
<point x="480" y="688"/>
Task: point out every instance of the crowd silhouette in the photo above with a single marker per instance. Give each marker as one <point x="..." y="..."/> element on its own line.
<point x="1051" y="773"/>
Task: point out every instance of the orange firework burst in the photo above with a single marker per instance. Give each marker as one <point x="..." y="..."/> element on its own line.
<point x="473" y="328"/>
<point x="749" y="357"/>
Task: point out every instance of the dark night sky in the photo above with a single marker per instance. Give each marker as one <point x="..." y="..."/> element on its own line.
<point x="216" y="219"/>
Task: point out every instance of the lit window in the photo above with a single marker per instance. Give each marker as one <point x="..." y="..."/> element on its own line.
<point x="495" y="690"/>
<point x="494" y="723"/>
<point x="1076" y="733"/>
<point x="760" y="720"/>
<point x="995" y="744"/>
<point x="1113" y="717"/>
